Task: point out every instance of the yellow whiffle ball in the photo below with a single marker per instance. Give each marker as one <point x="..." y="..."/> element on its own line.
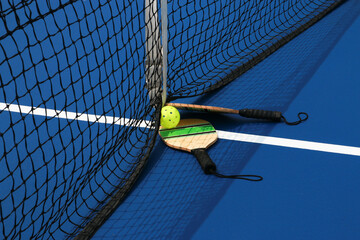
<point x="170" y="117"/>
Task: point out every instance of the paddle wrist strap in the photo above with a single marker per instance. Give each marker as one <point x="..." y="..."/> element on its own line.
<point x="209" y="167"/>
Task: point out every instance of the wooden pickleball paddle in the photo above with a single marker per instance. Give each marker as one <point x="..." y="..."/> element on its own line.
<point x="275" y="116"/>
<point x="195" y="136"/>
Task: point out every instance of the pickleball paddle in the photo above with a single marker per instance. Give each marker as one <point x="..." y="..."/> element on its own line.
<point x="195" y="136"/>
<point x="275" y="116"/>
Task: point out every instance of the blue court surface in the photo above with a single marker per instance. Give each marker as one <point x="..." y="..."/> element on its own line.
<point x="68" y="130"/>
<point x="309" y="193"/>
<point x="305" y="194"/>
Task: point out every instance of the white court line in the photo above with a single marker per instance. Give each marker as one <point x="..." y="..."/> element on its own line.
<point x="291" y="143"/>
<point x="242" y="137"/>
<point x="51" y="113"/>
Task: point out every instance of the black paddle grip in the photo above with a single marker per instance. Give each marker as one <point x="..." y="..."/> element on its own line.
<point x="203" y="158"/>
<point x="261" y="114"/>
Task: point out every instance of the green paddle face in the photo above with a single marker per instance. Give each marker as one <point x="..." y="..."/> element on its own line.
<point x="190" y="134"/>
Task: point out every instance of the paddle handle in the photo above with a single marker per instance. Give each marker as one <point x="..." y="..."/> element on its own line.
<point x="203" y="158"/>
<point x="261" y="114"/>
<point x="248" y="113"/>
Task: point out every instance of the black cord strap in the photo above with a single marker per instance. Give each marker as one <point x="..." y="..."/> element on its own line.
<point x="301" y="119"/>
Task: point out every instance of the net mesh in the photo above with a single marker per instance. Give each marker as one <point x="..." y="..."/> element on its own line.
<point x="212" y="43"/>
<point x="174" y="199"/>
<point x="77" y="121"/>
<point x="64" y="66"/>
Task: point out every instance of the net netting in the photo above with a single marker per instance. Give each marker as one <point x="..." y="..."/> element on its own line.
<point x="173" y="199"/>
<point x="77" y="121"/>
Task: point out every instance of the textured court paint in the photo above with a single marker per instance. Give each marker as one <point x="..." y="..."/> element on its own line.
<point x="162" y="189"/>
<point x="305" y="194"/>
<point x="92" y="77"/>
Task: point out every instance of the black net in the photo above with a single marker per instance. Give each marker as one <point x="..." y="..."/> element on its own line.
<point x="173" y="198"/>
<point x="77" y="122"/>
<point x="212" y="43"/>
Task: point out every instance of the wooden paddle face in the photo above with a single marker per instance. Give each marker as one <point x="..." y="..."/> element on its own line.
<point x="189" y="134"/>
